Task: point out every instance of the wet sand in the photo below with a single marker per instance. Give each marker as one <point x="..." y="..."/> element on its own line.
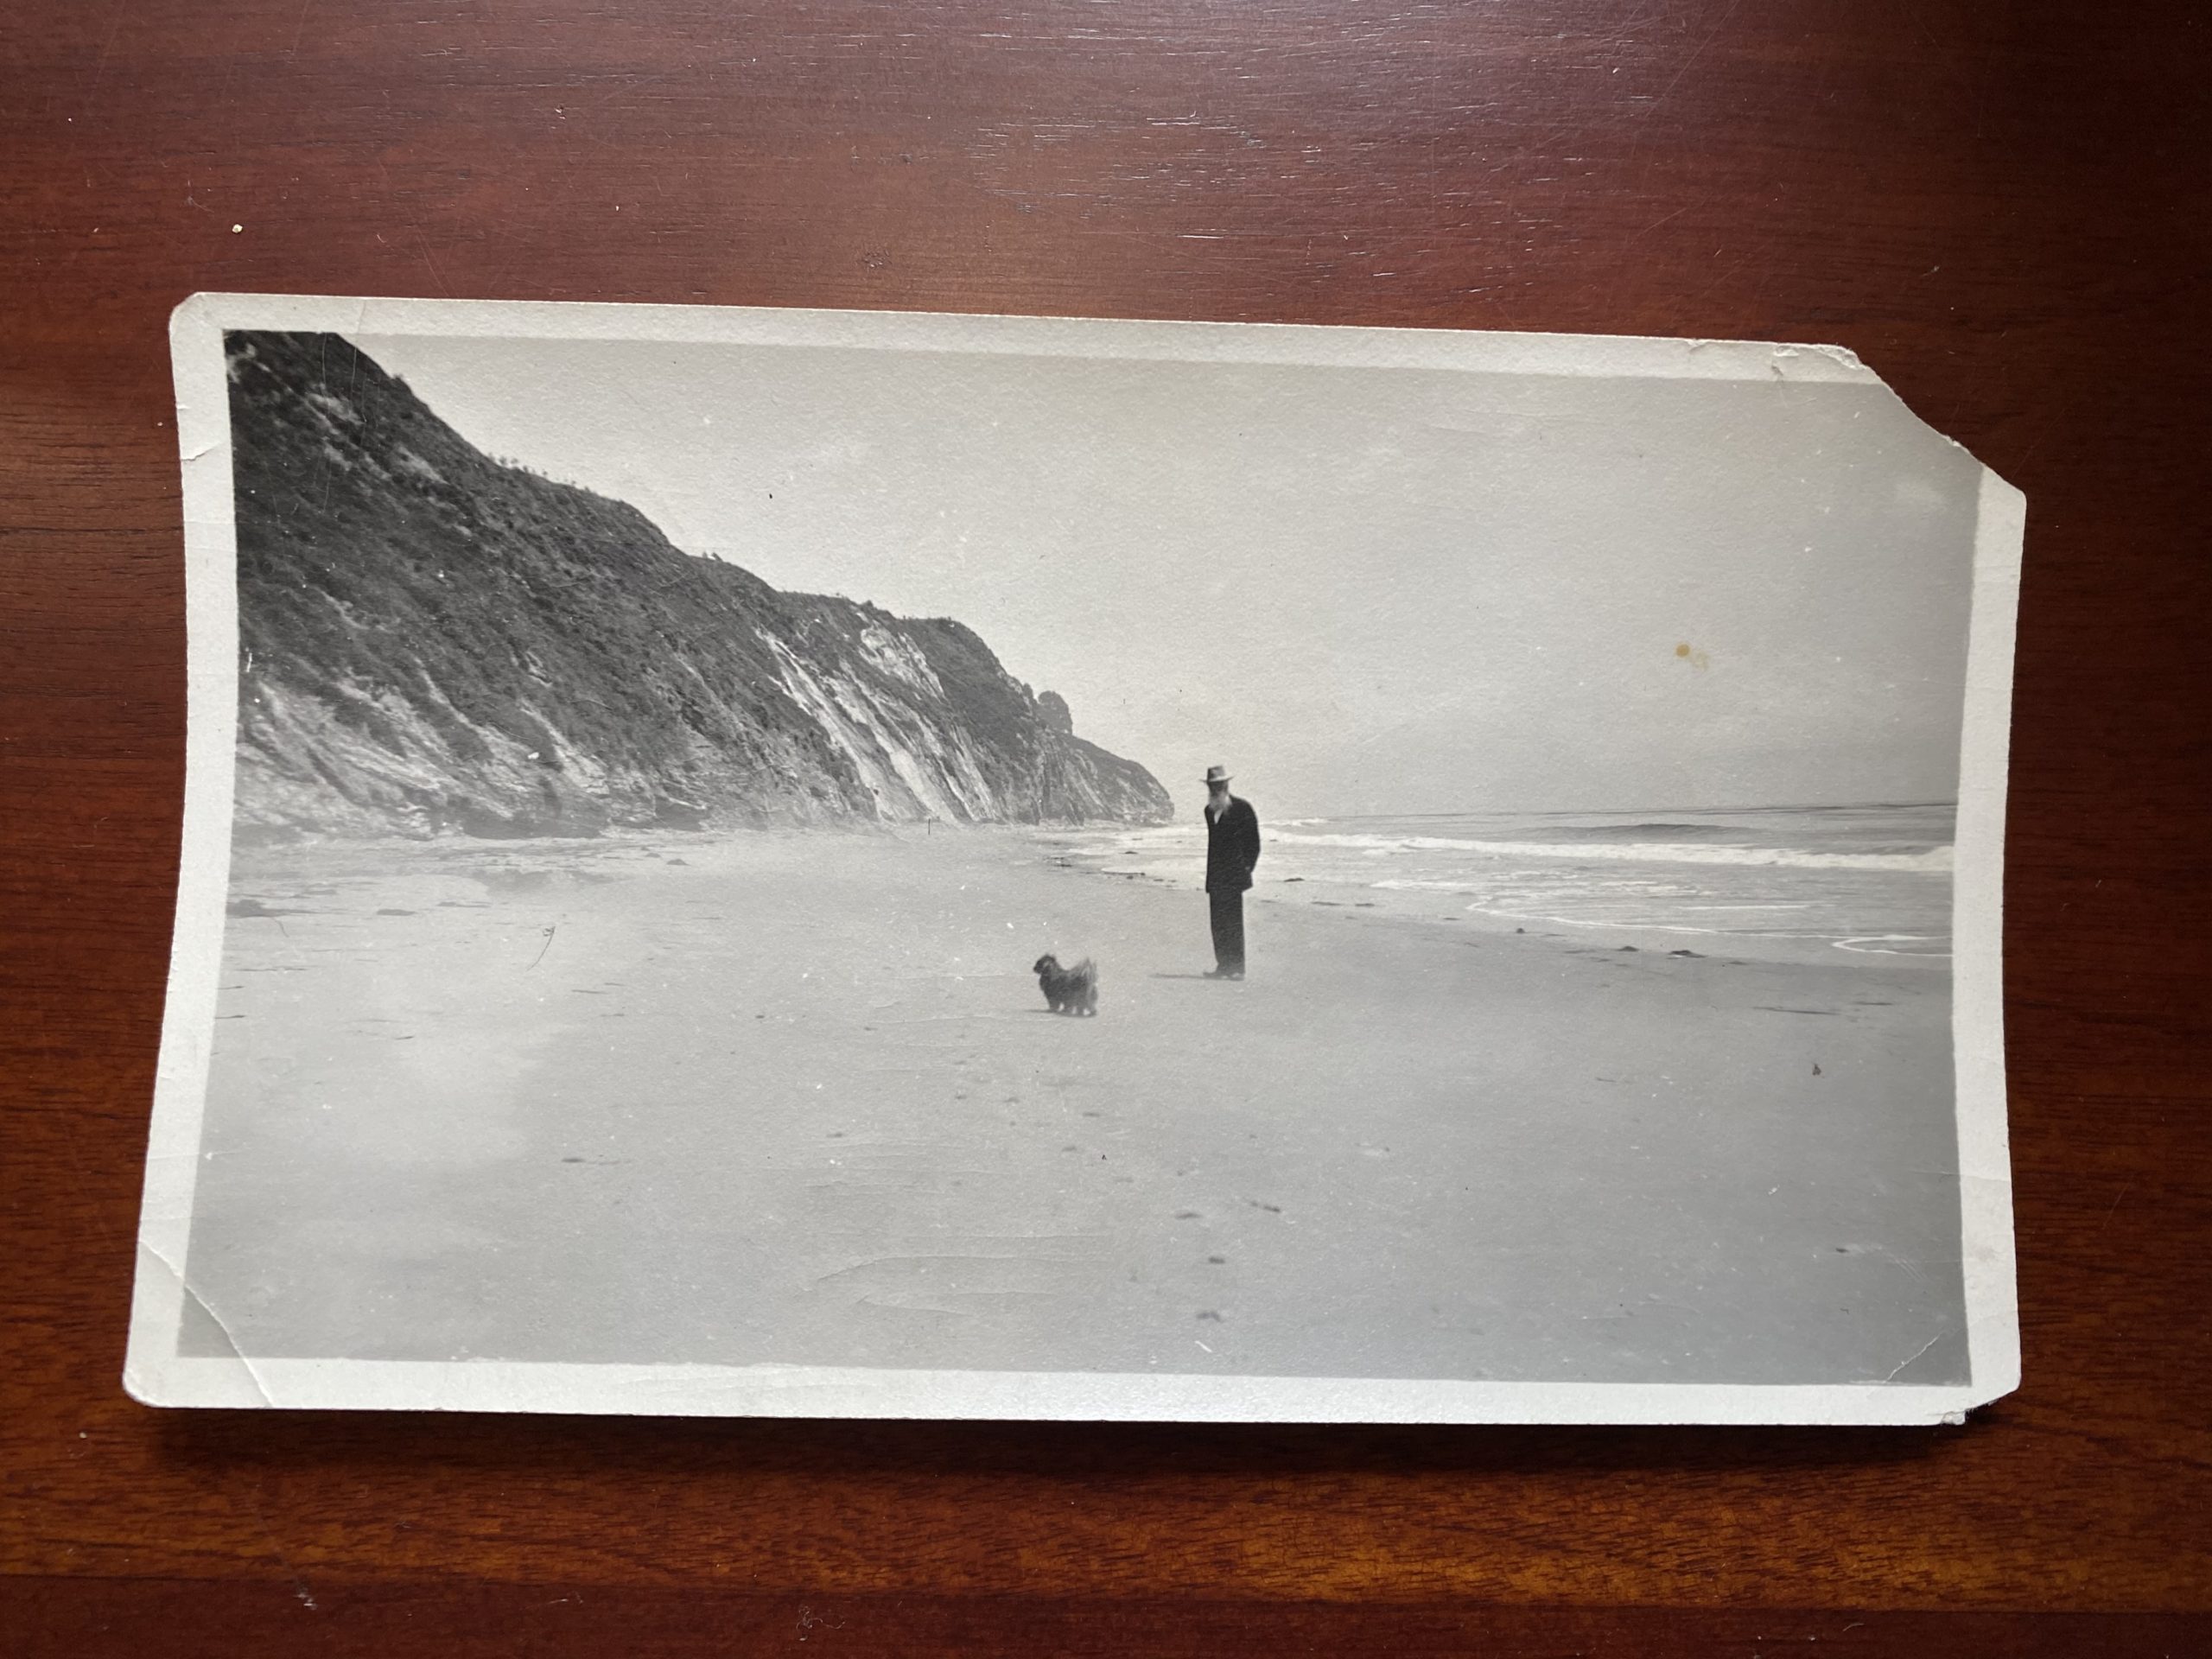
<point x="795" y="1098"/>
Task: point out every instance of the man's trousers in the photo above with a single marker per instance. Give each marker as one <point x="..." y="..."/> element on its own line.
<point x="1228" y="930"/>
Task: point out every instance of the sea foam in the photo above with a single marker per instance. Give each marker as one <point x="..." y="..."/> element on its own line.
<point x="1935" y="860"/>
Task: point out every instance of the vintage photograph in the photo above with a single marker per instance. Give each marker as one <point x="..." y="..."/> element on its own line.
<point x="854" y="864"/>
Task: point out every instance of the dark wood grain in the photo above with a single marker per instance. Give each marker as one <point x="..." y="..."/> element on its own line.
<point x="2004" y="209"/>
<point x="93" y="1619"/>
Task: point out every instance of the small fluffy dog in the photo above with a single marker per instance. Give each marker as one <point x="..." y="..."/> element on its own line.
<point x="1068" y="990"/>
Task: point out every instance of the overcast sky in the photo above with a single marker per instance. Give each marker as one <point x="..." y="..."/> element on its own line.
<point x="1363" y="590"/>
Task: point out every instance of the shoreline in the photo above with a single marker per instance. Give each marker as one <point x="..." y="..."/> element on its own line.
<point x="1099" y="851"/>
<point x="1087" y="848"/>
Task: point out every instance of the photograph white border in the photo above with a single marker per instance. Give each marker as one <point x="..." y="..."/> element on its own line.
<point x="155" y="1375"/>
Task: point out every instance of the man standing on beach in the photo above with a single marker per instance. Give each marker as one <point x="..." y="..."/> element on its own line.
<point x="1232" y="850"/>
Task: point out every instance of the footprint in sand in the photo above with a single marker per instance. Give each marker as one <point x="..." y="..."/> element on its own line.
<point x="255" y="907"/>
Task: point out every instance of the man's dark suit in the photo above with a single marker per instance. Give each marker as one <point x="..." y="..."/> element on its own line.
<point x="1232" y="851"/>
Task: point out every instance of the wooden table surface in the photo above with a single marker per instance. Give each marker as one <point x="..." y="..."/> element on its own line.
<point x="2003" y="209"/>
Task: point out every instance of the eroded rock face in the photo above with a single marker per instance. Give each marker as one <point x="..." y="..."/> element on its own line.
<point x="431" y="641"/>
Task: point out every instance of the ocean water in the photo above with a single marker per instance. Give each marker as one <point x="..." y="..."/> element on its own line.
<point x="1861" y="879"/>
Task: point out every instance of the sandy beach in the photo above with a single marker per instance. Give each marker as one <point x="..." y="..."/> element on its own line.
<point x="796" y="1098"/>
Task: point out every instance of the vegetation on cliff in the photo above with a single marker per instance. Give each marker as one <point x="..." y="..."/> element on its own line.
<point x="431" y="639"/>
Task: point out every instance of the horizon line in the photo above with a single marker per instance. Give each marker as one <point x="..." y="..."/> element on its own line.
<point x="1563" y="811"/>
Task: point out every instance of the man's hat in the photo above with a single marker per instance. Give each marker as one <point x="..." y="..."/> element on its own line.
<point x="1216" y="775"/>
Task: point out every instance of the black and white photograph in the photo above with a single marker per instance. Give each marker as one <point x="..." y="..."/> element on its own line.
<point x="876" y="864"/>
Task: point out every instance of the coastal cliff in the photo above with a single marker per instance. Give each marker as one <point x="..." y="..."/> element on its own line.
<point x="431" y="641"/>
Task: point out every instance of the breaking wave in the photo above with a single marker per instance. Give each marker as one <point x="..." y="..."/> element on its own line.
<point x="1933" y="860"/>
